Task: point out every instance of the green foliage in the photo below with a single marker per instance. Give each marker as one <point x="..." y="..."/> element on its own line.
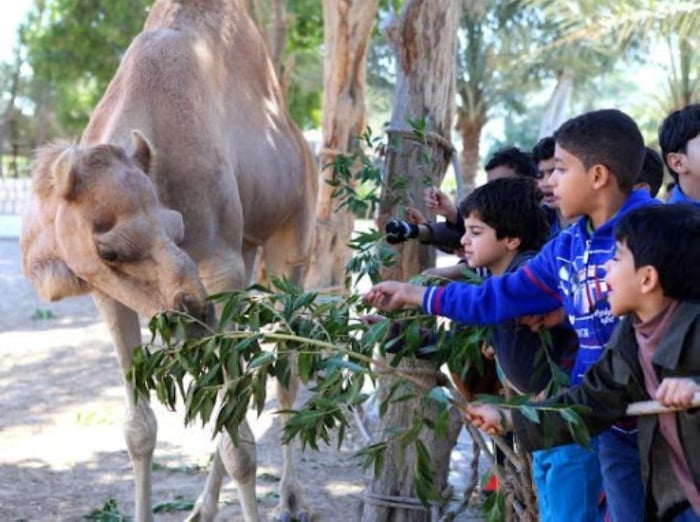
<point x="179" y="503"/>
<point x="110" y="512"/>
<point x="43" y="314"/>
<point x="75" y="47"/>
<point x="358" y="169"/>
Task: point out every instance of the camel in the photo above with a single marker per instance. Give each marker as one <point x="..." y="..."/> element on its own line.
<point x="188" y="165"/>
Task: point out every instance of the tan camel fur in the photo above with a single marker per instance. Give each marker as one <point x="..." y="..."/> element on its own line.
<point x="188" y="164"/>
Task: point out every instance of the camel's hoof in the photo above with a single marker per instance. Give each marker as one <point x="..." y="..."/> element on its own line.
<point x="200" y="514"/>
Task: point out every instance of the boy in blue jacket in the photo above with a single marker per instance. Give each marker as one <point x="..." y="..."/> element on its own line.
<point x="598" y="157"/>
<point x="679" y="139"/>
<point x="505" y="226"/>
<point x="654" y="353"/>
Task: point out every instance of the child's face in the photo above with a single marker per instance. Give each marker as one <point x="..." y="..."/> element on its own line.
<point x="623" y="281"/>
<point x="545" y="169"/>
<point x="690" y="159"/>
<point x="482" y="248"/>
<point x="570" y="184"/>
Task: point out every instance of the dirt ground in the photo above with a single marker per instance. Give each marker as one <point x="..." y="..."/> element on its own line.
<point x="62" y="454"/>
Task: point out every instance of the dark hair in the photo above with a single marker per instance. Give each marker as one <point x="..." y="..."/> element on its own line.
<point x="666" y="237"/>
<point x="677" y="129"/>
<point x="606" y="137"/>
<point x="543" y="150"/>
<point x="652" y="172"/>
<point x="521" y="162"/>
<point x="512" y="207"/>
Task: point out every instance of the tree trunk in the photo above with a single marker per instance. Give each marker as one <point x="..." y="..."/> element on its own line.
<point x="273" y="21"/>
<point x="9" y="109"/>
<point x="555" y="110"/>
<point x="347" y="28"/>
<point x="424" y="38"/>
<point x="469" y="129"/>
<point x="390" y="497"/>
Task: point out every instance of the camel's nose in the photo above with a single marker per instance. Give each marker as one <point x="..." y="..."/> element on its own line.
<point x="193" y="305"/>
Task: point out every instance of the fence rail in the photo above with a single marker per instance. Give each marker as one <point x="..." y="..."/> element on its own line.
<point x="14" y="195"/>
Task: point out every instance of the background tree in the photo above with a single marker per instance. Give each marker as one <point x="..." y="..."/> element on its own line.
<point x="73" y="48"/>
<point x="635" y="34"/>
<point x="347" y="27"/>
<point x="294" y="35"/>
<point x="8" y="117"/>
<point x="424" y="39"/>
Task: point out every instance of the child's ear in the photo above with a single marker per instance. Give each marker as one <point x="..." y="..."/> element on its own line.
<point x="675" y="161"/>
<point x="513" y="243"/>
<point x="601" y="175"/>
<point x="650" y="279"/>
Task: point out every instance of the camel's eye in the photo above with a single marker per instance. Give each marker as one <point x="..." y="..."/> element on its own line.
<point x="107" y="254"/>
<point x="102" y="226"/>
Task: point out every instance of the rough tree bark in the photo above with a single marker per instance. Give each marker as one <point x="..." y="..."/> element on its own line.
<point x="425" y="41"/>
<point x="469" y="125"/>
<point x="390" y="496"/>
<point x="347" y="28"/>
<point x="424" y="38"/>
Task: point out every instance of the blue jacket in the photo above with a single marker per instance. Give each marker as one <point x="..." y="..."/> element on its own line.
<point x="677" y="196"/>
<point x="568" y="271"/>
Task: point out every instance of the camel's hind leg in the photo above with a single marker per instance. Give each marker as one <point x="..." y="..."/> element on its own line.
<point x="286" y="254"/>
<point x="140" y="426"/>
<point x="240" y="462"/>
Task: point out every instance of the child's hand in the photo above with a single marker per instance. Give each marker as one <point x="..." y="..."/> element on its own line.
<point x="490" y="419"/>
<point x="677" y="392"/>
<point x="389" y="296"/>
<point x="548" y="320"/>
<point x="415" y="216"/>
<point x="440" y="203"/>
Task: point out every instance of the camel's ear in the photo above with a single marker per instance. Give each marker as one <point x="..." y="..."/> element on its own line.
<point x="174" y="227"/>
<point x="41" y="256"/>
<point x="143" y="151"/>
<point x="63" y="175"/>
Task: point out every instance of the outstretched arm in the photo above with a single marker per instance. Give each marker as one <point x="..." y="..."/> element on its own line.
<point x="389" y="296"/>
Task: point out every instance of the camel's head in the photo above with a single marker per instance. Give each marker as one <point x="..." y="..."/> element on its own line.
<point x="95" y="223"/>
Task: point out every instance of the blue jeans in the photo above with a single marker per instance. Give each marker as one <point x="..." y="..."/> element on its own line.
<point x="568" y="483"/>
<point x="622" y="475"/>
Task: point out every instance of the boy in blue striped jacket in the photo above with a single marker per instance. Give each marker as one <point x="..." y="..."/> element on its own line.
<point x="598" y="157"/>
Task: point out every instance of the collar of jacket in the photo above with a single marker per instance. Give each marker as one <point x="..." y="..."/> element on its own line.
<point x="669" y="351"/>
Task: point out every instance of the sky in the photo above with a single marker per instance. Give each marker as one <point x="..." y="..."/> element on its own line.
<point x="13" y="12"/>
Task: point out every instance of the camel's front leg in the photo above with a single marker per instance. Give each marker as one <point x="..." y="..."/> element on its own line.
<point x="241" y="463"/>
<point x="292" y="505"/>
<point x="140" y="426"/>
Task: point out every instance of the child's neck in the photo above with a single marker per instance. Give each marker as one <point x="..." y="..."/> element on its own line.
<point x="690" y="185"/>
<point x="499" y="267"/>
<point x="565" y="222"/>
<point x="651" y="306"/>
<point x="606" y="208"/>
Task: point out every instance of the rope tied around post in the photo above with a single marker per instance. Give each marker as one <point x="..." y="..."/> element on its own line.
<point x="426" y="138"/>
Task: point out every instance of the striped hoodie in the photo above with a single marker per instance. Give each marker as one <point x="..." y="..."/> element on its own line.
<point x="567" y="272"/>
